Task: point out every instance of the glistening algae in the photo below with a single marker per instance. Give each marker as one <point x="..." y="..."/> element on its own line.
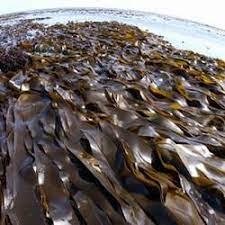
<point x="103" y="123"/>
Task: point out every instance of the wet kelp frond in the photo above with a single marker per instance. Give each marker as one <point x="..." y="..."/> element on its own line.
<point x="102" y="123"/>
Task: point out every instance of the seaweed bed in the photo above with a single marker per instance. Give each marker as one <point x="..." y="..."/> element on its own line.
<point x="103" y="123"/>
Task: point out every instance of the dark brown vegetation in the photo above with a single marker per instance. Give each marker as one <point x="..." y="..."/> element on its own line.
<point x="102" y="123"/>
<point x="12" y="59"/>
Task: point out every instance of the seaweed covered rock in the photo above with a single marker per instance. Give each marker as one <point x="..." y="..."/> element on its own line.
<point x="13" y="59"/>
<point x="103" y="123"/>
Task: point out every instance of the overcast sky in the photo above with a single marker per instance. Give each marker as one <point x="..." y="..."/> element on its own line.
<point x="204" y="11"/>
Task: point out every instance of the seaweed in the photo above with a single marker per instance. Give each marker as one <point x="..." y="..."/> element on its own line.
<point x="104" y="123"/>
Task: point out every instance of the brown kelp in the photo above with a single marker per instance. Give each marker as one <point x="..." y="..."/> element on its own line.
<point x="103" y="123"/>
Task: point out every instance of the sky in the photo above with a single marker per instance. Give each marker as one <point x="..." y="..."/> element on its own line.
<point x="203" y="11"/>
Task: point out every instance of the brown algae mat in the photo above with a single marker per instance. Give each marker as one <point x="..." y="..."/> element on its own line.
<point x="102" y="123"/>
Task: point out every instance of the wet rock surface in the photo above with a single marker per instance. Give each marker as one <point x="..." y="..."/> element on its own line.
<point x="103" y="123"/>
